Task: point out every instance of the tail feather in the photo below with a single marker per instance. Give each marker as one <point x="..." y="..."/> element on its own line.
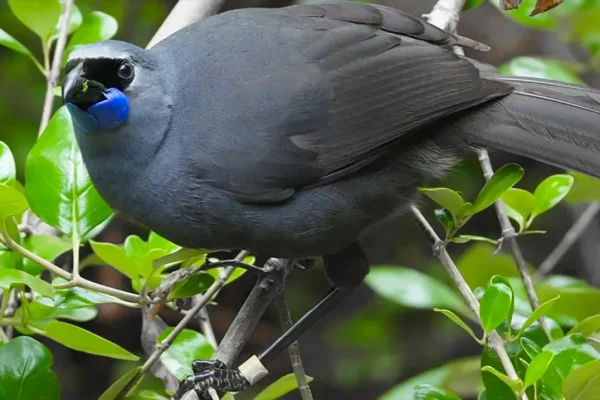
<point x="548" y="121"/>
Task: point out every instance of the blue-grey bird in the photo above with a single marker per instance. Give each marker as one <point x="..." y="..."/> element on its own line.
<point x="291" y="132"/>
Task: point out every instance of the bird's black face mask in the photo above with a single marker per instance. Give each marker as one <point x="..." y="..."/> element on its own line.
<point x="92" y="92"/>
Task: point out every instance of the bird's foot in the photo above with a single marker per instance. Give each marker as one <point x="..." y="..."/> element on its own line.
<point x="211" y="374"/>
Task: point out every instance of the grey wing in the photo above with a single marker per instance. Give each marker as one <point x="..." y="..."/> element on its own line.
<point x="369" y="77"/>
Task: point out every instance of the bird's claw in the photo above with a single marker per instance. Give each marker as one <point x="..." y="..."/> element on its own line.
<point x="211" y="374"/>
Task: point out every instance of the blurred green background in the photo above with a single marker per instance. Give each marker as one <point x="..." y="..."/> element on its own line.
<point x="370" y="343"/>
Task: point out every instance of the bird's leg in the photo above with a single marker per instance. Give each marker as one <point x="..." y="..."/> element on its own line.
<point x="214" y="374"/>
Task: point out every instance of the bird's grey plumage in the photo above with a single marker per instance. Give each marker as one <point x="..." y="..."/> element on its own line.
<point x="291" y="132"/>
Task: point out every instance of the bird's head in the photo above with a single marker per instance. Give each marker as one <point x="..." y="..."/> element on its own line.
<point x="103" y="79"/>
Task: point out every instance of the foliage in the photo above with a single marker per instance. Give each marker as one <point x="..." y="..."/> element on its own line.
<point x="59" y="191"/>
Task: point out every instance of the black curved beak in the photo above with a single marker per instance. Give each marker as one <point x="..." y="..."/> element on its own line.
<point x="79" y="90"/>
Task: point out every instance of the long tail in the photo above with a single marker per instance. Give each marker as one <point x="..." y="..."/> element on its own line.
<point x="548" y="121"/>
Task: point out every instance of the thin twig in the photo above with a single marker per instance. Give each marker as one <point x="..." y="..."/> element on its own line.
<point x="572" y="235"/>
<point x="164" y="345"/>
<point x="510" y="236"/>
<point x="54" y="73"/>
<point x="206" y="326"/>
<point x="495" y="342"/>
<point x="294" y="350"/>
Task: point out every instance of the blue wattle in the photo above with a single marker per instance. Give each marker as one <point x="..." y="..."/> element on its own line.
<point x="105" y="115"/>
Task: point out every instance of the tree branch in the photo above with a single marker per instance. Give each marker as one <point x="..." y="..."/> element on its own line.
<point x="510" y="236"/>
<point x="495" y="342"/>
<point x="568" y="240"/>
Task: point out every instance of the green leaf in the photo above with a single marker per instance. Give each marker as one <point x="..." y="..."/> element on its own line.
<point x="536" y="67"/>
<point x="58" y="186"/>
<point x="191" y="286"/>
<point x="116" y="388"/>
<point x="585" y="189"/>
<point x="447" y="198"/>
<point x="280" y="388"/>
<point x="11" y="277"/>
<point x="460" y="376"/>
<point x="25" y="372"/>
<point x="530" y="347"/>
<point x="538" y="367"/>
<point x="11" y="202"/>
<point x="516" y="386"/>
<point x="46" y="246"/>
<point x="472" y="4"/>
<point x="148" y="395"/>
<point x="474" y="238"/>
<point x="155" y="241"/>
<point x="7" y="162"/>
<point x="429" y="392"/>
<point x="7" y="40"/>
<point x="188" y="346"/>
<point x="40" y="16"/>
<point x="43" y="311"/>
<point x="539" y="312"/>
<point x="495" y="306"/>
<point x="80" y="294"/>
<point x="445" y="218"/>
<point x="502" y="280"/>
<point x="116" y="257"/>
<point x="456" y="319"/>
<point x="502" y="180"/>
<point x="95" y="27"/>
<point x="587" y="327"/>
<point x="584" y="382"/>
<point x="414" y="289"/>
<point x="79" y="339"/>
<point x="519" y="205"/>
<point x="578" y="300"/>
<point x="550" y="192"/>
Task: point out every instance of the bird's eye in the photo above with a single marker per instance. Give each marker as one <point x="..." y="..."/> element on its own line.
<point x="125" y="71"/>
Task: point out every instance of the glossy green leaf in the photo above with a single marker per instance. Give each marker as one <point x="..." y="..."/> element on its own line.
<point x="7" y="162"/>
<point x="495" y="306"/>
<point x="40" y="16"/>
<point x="550" y="192"/>
<point x="472" y="4"/>
<point x="95" y="27"/>
<point x="570" y="353"/>
<point x="515" y="385"/>
<point x="519" y="205"/>
<point x="458" y="321"/>
<point x="465" y="211"/>
<point x="429" y="392"/>
<point x="116" y="257"/>
<point x="7" y="40"/>
<point x="12" y="202"/>
<point x="191" y="286"/>
<point x="584" y="382"/>
<point x="460" y="376"/>
<point x="25" y="372"/>
<point x="587" y="327"/>
<point x="414" y="289"/>
<point x="585" y="189"/>
<point x="473" y="238"/>
<point x="538" y="367"/>
<point x="535" y="67"/>
<point x="116" y="388"/>
<point x="46" y="246"/>
<point x="58" y="186"/>
<point x="447" y="198"/>
<point x="280" y="388"/>
<point x="188" y="346"/>
<point x="445" y="218"/>
<point x="9" y="277"/>
<point x="531" y="348"/>
<point x="79" y="339"/>
<point x="502" y="180"/>
<point x="155" y="241"/>
<point x="148" y="395"/>
<point x="499" y="279"/>
<point x="539" y="312"/>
